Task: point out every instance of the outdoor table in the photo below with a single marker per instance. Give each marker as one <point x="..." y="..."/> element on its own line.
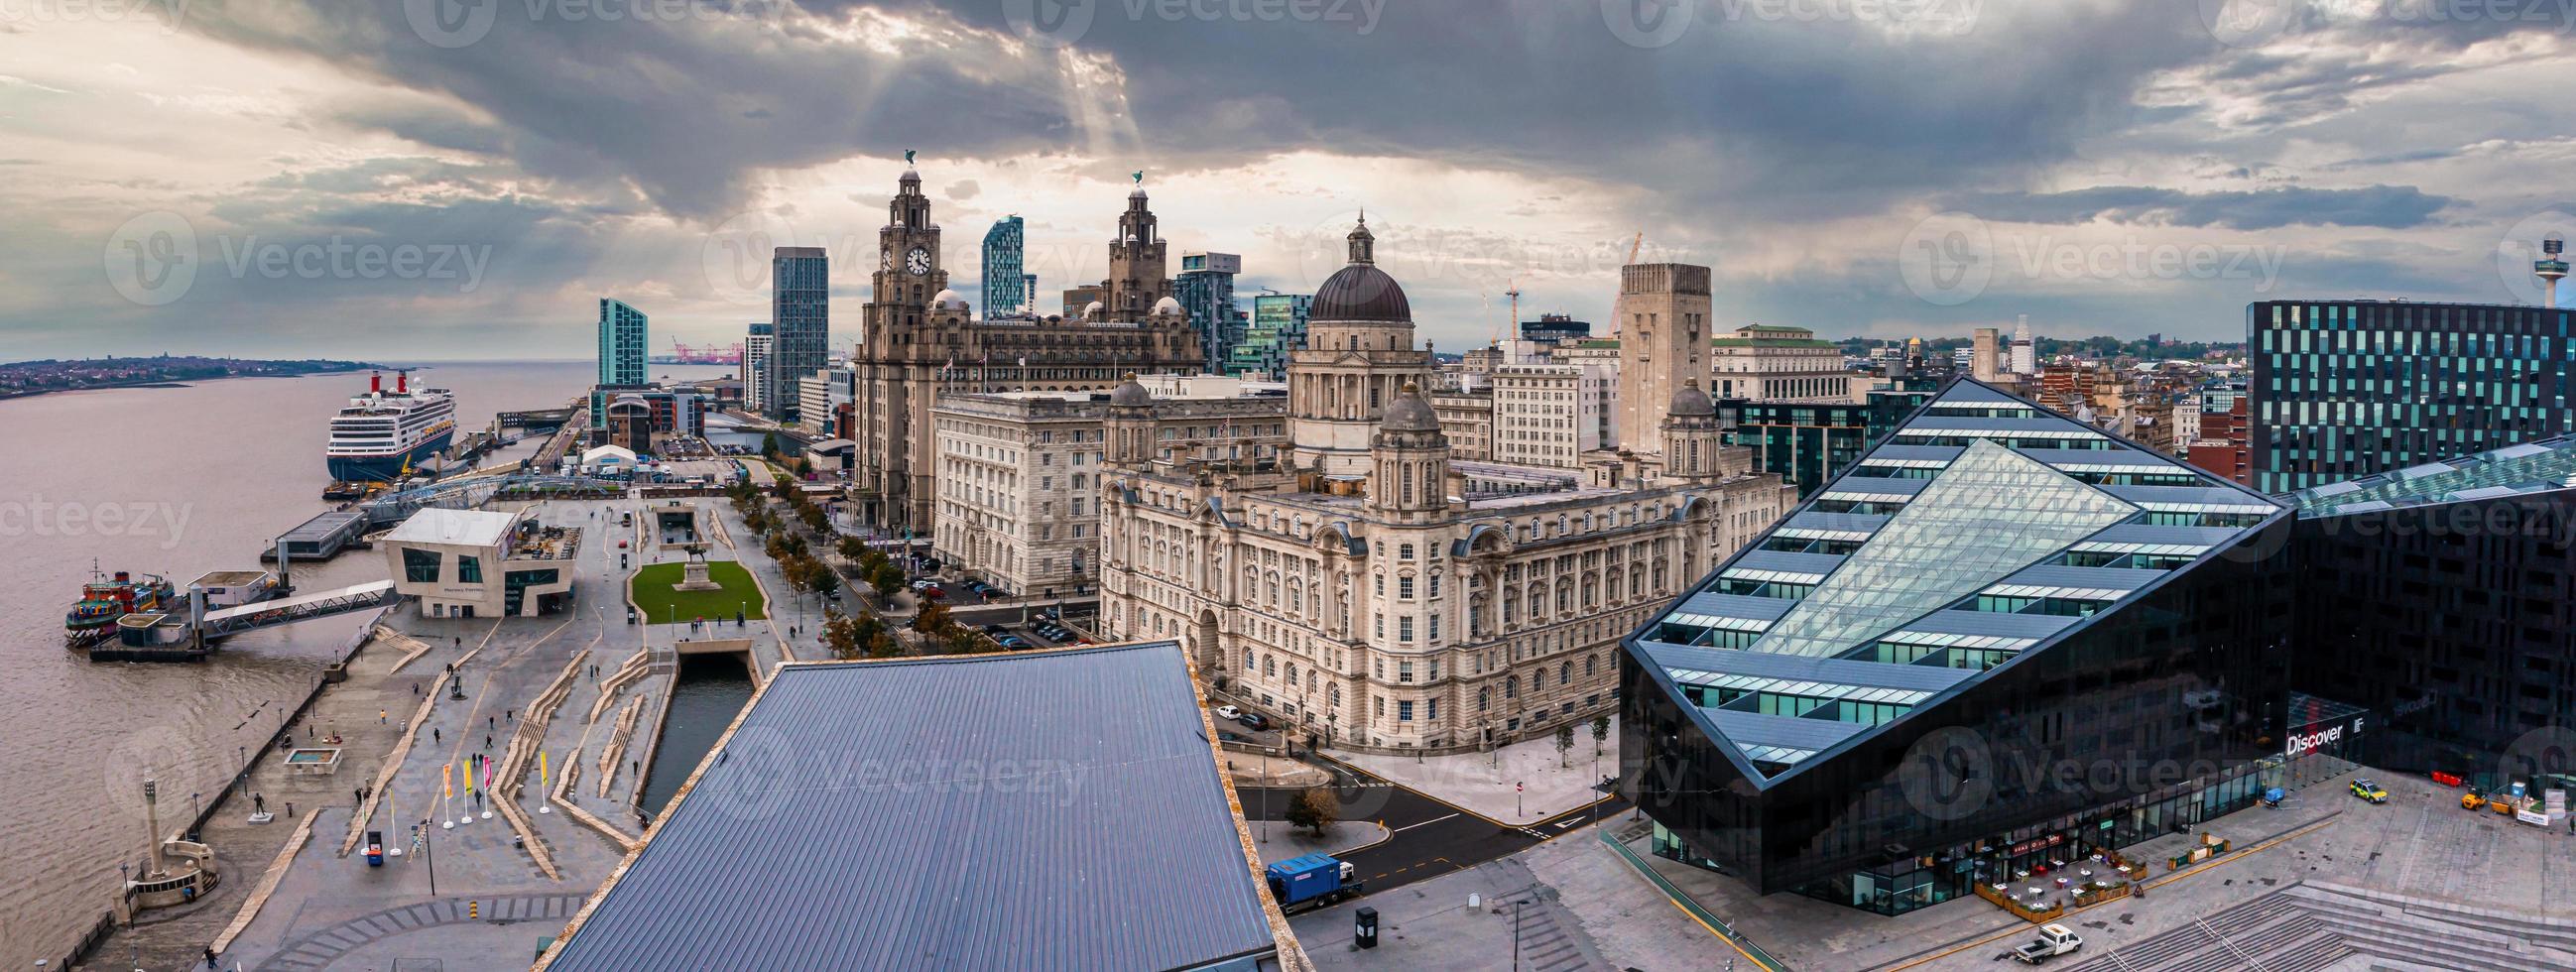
<point x="2021" y="875"/>
<point x="2037" y="893"/>
<point x="2061" y="884"/>
<point x="2087" y="873"/>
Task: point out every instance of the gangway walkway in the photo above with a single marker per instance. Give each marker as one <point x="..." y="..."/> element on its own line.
<point x="269" y="614"/>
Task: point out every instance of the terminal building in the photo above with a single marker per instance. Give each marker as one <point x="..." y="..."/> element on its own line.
<point x="2003" y="638"/>
<point x="937" y="833"/>
<point x="481" y="563"/>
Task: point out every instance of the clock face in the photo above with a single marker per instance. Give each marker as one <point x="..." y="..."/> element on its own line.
<point x="885" y="258"/>
<point x="917" y="262"/>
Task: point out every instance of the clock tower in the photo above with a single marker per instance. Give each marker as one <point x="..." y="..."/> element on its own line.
<point x="908" y="271"/>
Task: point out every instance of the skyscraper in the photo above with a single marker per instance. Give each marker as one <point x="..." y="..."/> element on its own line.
<point x="1278" y="327"/>
<point x="2344" y="389"/>
<point x="2025" y="357"/>
<point x="758" y="343"/>
<point x="1003" y="280"/>
<point x="1662" y="319"/>
<point x="1206" y="291"/>
<point x="800" y="308"/>
<point x="621" y="343"/>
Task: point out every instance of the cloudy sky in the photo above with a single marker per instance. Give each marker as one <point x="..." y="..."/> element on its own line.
<point x="463" y="178"/>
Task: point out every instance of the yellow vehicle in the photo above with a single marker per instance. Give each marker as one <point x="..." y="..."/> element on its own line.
<point x="2502" y="806"/>
<point x="2370" y="791"/>
<point x="2472" y="801"/>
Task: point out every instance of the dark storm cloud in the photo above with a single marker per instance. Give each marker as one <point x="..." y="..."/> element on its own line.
<point x="2383" y="207"/>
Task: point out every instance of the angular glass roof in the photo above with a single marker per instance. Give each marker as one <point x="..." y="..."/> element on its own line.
<point x="1987" y="516"/>
<point x="2527" y="468"/>
<point x="1955" y="573"/>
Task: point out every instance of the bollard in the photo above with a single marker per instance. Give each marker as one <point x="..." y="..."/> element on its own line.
<point x="473" y="909"/>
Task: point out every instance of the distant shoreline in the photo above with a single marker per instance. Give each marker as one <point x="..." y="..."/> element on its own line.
<point x="169" y="382"/>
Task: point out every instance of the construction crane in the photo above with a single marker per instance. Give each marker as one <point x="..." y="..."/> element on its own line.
<point x="1512" y="289"/>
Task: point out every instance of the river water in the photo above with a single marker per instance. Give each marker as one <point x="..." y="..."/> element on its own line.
<point x="173" y="481"/>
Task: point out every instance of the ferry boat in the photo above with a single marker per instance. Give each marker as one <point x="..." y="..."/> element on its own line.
<point x="383" y="435"/>
<point x="105" y="599"/>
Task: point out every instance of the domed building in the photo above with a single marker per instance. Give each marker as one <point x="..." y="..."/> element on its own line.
<point x="1376" y="593"/>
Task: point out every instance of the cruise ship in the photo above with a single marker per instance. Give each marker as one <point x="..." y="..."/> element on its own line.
<point x="384" y="434"/>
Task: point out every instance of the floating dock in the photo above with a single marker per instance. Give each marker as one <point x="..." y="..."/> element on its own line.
<point x="321" y="536"/>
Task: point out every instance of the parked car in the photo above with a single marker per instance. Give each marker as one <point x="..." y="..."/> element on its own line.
<point x="2368" y="790"/>
<point x="1048" y="614"/>
<point x="993" y="629"/>
<point x="933" y="592"/>
<point x="1253" y="721"/>
<point x="1014" y="642"/>
<point x="1229" y="712"/>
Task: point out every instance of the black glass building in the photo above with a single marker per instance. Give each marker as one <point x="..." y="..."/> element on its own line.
<point x="2345" y="389"/>
<point x="1809" y="443"/>
<point x="2000" y="642"/>
<point x="2443" y="599"/>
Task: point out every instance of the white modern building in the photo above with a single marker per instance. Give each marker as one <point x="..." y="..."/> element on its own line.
<point x="482" y="563"/>
<point x="758" y="346"/>
<point x="1551" y="414"/>
<point x="1767" y="362"/>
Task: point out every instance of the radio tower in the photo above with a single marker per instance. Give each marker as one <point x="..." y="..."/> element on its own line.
<point x="2550" y="268"/>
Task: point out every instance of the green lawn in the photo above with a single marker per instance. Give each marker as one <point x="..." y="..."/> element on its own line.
<point x="663" y="605"/>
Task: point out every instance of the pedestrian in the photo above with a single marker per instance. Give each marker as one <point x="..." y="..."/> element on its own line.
<point x="210" y="956"/>
<point x="487" y="742"/>
<point x="415" y="688"/>
<point x="510" y="714"/>
<point x="380" y="717"/>
<point x="290" y="809"/>
<point x="491" y="723"/>
<point x="435" y="736"/>
<point x="357" y="795"/>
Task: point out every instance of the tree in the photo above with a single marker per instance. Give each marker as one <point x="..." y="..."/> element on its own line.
<point x="814" y="517"/>
<point x="1600" y="733"/>
<point x="966" y="641"/>
<point x="821" y="579"/>
<point x="769" y="444"/>
<point x="874" y="638"/>
<point x="1314" y="809"/>
<point x="885" y="577"/>
<point x="853" y="549"/>
<point x="934" y="620"/>
<point x="842" y="633"/>
<point x="1564" y="743"/>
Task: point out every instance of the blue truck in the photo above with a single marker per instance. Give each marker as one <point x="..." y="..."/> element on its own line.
<point x="1312" y="881"/>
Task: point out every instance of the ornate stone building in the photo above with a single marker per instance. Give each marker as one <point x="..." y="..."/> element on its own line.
<point x="921" y="340"/>
<point x="1380" y="594"/>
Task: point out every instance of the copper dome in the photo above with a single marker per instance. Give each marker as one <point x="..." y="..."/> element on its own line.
<point x="1360" y="292"/>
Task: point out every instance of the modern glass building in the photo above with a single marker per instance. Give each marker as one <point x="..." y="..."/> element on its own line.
<point x="2442" y="598"/>
<point x="1205" y="289"/>
<point x="800" y="311"/>
<point x="1004" y="283"/>
<point x="621" y="343"/>
<point x="1809" y="443"/>
<point x="1278" y="327"/>
<point x="2002" y="641"/>
<point x="2345" y="389"/>
<point x="1555" y="329"/>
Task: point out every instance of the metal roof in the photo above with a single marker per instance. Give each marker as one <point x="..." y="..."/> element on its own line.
<point x="459" y="528"/>
<point x="1048" y="810"/>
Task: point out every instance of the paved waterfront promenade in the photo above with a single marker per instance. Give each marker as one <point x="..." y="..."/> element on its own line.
<point x="495" y="899"/>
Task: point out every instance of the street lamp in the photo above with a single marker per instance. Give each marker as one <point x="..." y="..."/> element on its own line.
<point x="1516" y="933"/>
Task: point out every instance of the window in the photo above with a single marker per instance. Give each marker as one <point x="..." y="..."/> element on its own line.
<point x="1404" y="587"/>
<point x="1404" y="671"/>
<point x="1432" y="707"/>
<point x="1435" y="585"/>
<point x="420" y="566"/>
<point x="1404" y="712"/>
<point x="1404" y="629"/>
<point x="1404" y="552"/>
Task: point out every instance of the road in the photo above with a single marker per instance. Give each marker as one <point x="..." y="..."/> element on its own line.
<point x="1427" y="838"/>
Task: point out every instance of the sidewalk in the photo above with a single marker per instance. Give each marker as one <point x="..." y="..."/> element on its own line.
<point x="1484" y="783"/>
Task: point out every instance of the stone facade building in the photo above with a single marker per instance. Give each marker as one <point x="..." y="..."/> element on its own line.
<point x="1551" y="414"/>
<point x="1768" y="362"/>
<point x="1377" y="593"/>
<point x="1467" y="418"/>
<point x="1018" y="475"/>
<point x="922" y="341"/>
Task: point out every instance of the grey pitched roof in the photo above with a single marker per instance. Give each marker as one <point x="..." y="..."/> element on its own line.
<point x="1051" y="810"/>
